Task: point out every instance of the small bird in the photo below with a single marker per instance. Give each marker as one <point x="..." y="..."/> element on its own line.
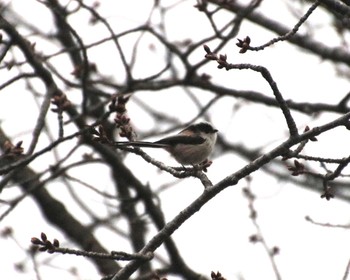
<point x="191" y="146"/>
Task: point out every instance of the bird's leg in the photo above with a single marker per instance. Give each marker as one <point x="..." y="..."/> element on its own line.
<point x="205" y="164"/>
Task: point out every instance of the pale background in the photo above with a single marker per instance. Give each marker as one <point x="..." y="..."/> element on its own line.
<point x="217" y="237"/>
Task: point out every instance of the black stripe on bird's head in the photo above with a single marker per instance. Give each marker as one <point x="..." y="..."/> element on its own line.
<point x="202" y="127"/>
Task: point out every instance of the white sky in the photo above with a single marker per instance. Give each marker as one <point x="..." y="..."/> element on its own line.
<point x="215" y="238"/>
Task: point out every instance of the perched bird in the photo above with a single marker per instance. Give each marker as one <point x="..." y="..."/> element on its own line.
<point x="190" y="146"/>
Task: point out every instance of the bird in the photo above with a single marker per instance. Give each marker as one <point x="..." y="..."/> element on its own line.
<point x="191" y="146"/>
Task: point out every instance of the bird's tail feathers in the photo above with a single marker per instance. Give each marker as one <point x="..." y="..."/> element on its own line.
<point x="143" y="144"/>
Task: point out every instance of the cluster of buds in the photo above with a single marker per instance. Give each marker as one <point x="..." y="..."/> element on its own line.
<point x="297" y="169"/>
<point x="118" y="105"/>
<point x="44" y="244"/>
<point x="78" y="70"/>
<point x="312" y="138"/>
<point x="61" y="101"/>
<point x="94" y="19"/>
<point x="13" y="150"/>
<point x="221" y="59"/>
<point x="99" y="135"/>
<point x="328" y="193"/>
<point x="217" y="276"/>
<point x="244" y="44"/>
<point x="210" y="55"/>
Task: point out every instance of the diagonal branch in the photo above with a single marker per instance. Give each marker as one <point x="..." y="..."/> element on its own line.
<point x="211" y="192"/>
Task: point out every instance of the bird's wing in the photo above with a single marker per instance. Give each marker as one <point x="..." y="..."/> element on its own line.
<point x="181" y="139"/>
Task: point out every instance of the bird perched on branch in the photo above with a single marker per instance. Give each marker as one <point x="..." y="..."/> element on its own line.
<point x="191" y="146"/>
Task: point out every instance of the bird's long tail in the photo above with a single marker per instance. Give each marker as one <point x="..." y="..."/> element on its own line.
<point x="143" y="144"/>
